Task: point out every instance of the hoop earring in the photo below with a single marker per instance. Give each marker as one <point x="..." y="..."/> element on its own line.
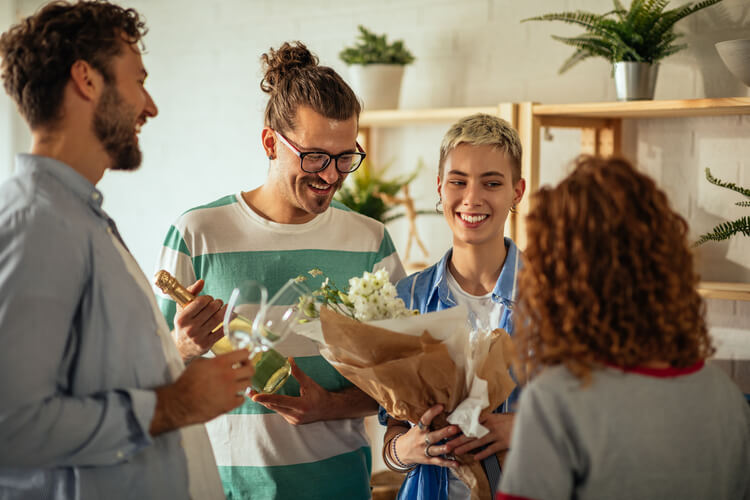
<point x="513" y="209"/>
<point x="439" y="206"/>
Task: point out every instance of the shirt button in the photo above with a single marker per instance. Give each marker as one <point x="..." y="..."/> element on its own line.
<point x="120" y="454"/>
<point x="95" y="196"/>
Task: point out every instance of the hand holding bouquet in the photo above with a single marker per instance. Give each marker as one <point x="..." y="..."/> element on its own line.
<point x="408" y="363"/>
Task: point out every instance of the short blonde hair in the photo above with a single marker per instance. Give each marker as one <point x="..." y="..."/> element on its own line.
<point x="480" y="130"/>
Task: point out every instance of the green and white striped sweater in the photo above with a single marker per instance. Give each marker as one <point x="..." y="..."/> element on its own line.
<point x="259" y="454"/>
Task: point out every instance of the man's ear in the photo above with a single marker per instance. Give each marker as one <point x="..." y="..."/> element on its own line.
<point x="268" y="138"/>
<point x="87" y="81"/>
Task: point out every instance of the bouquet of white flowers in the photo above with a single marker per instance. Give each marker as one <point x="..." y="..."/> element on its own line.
<point x="409" y="362"/>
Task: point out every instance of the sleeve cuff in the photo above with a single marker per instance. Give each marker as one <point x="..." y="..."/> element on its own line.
<point x="143" y="403"/>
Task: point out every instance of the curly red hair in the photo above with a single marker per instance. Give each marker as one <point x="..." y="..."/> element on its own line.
<point x="608" y="275"/>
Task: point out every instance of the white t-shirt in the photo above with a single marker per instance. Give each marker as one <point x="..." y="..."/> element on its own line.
<point x="483" y="312"/>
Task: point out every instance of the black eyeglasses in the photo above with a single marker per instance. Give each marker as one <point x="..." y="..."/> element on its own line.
<point x="317" y="161"/>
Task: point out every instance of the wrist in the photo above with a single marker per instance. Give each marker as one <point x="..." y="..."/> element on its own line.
<point x="391" y="458"/>
<point x="170" y="413"/>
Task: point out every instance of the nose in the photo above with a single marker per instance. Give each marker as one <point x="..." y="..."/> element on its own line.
<point x="150" y="109"/>
<point x="330" y="174"/>
<point x="472" y="195"/>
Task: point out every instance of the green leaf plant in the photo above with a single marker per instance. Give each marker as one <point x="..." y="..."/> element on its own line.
<point x="375" y="49"/>
<point x="726" y="230"/>
<point x="363" y="192"/>
<point x="642" y="33"/>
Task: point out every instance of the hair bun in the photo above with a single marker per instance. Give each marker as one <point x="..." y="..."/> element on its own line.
<point x="284" y="61"/>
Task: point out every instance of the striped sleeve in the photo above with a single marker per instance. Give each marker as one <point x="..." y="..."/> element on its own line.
<point x="174" y="257"/>
<point x="388" y="258"/>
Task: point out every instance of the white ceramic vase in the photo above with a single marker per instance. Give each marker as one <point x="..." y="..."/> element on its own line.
<point x="378" y="85"/>
<point x="736" y="56"/>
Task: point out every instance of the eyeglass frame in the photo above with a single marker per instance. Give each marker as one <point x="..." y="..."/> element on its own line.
<point x="301" y="155"/>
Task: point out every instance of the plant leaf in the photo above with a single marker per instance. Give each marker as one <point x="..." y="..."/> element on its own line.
<point x="727" y="185"/>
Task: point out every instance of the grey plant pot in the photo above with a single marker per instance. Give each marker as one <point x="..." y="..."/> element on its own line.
<point x="635" y="81"/>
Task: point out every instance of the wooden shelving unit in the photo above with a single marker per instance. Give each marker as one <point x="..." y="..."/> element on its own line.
<point x="601" y="134"/>
<point x="726" y="291"/>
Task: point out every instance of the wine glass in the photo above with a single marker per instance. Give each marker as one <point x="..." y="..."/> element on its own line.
<point x="273" y="321"/>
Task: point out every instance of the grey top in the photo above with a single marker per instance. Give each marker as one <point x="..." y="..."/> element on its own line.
<point x="82" y="349"/>
<point x="647" y="434"/>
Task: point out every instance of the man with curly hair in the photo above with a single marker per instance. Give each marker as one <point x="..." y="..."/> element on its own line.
<point x="96" y="401"/>
<point x="623" y="403"/>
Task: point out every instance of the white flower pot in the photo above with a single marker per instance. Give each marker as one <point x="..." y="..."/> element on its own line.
<point x="736" y="56"/>
<point x="378" y="85"/>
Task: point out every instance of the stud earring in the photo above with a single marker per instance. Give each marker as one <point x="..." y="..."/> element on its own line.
<point x="513" y="209"/>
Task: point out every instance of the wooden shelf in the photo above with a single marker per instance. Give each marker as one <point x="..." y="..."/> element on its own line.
<point x="647" y="109"/>
<point x="726" y="291"/>
<point x="402" y="117"/>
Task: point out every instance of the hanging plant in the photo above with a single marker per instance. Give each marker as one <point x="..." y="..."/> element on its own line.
<point x="726" y="230"/>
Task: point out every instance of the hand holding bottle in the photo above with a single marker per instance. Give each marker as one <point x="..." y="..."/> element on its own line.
<point x="197" y="323"/>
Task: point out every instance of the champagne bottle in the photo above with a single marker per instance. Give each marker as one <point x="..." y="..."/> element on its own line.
<point x="271" y="368"/>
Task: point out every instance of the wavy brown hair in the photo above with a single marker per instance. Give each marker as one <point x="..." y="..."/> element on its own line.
<point x="37" y="53"/>
<point x="608" y="275"/>
<point x="293" y="78"/>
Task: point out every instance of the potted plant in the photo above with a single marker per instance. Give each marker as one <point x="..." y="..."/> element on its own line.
<point x="634" y="40"/>
<point x="726" y="230"/>
<point x="376" y="68"/>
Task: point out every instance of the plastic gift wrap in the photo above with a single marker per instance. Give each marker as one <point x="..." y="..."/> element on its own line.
<point x="410" y="364"/>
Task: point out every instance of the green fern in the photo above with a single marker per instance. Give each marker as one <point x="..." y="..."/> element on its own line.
<point x="642" y="33"/>
<point x="726" y="230"/>
<point x="360" y="193"/>
<point x="375" y="49"/>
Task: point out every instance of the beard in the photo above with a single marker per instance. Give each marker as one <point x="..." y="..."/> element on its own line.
<point x="319" y="204"/>
<point x="114" y="125"/>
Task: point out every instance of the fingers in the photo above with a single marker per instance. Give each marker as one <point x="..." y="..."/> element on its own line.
<point x="297" y="373"/>
<point x="430" y="414"/>
<point x="467" y="447"/>
<point x="442" y="462"/>
<point x="459" y="440"/>
<point x="490" y="450"/>
<point x="278" y="400"/>
<point x="210" y="315"/>
<point x="440" y="434"/>
<point x="196" y="287"/>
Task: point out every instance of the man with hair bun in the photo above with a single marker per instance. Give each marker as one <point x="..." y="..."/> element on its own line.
<point x="307" y="441"/>
<point x="96" y="402"/>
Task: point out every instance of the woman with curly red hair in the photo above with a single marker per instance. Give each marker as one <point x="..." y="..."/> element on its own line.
<point x="622" y="403"/>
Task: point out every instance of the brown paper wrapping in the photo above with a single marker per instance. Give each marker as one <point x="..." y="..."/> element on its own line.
<point x="407" y="375"/>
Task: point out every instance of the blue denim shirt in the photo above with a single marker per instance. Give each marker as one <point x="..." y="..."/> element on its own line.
<point x="428" y="291"/>
<point x="82" y="350"/>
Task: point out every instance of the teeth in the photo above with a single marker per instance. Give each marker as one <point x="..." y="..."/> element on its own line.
<point x="322" y="187"/>
<point x="472" y="219"/>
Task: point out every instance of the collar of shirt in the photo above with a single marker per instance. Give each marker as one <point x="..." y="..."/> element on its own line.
<point x="505" y="288"/>
<point x="65" y="175"/>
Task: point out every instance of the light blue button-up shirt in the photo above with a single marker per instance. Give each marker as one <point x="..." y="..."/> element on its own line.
<point x="80" y="350"/>
<point x="428" y="291"/>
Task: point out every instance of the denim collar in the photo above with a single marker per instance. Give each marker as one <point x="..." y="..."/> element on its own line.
<point x="505" y="288"/>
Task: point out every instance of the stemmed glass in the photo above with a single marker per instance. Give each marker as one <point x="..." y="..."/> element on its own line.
<point x="273" y="321"/>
